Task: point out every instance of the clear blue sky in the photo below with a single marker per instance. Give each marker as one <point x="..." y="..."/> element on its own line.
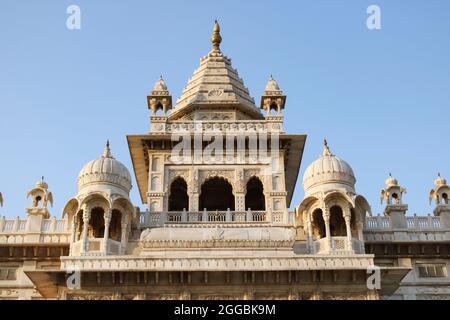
<point x="380" y="97"/>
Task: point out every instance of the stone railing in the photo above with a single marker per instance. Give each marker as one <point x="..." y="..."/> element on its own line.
<point x="378" y="223"/>
<point x="12" y="225"/>
<point x="154" y="219"/>
<point x="412" y="223"/>
<point x="18" y="225"/>
<point x="407" y="228"/>
<point x="423" y="223"/>
<point x="34" y="229"/>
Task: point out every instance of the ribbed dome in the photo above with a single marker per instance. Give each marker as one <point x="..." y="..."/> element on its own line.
<point x="103" y="170"/>
<point x="328" y="169"/>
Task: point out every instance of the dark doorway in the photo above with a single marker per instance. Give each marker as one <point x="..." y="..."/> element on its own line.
<point x="178" y="198"/>
<point x="254" y="198"/>
<point x="337" y="222"/>
<point x="216" y="194"/>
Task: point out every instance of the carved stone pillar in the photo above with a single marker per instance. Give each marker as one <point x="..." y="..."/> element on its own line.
<point x="326" y="219"/>
<point x="360" y="227"/>
<point x="348" y="230"/>
<point x="123" y="237"/>
<point x="310" y="235"/>
<point x="107" y="218"/>
<point x="193" y="202"/>
<point x="86" y="218"/>
<point x="73" y="234"/>
<point x="239" y="201"/>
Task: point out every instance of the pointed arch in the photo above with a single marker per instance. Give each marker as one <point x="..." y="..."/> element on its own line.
<point x="216" y="194"/>
<point x="254" y="197"/>
<point x="178" y="195"/>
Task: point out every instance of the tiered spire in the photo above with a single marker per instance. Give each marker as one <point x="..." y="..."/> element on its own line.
<point x="216" y="85"/>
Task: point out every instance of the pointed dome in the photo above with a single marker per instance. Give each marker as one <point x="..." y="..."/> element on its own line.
<point x="215" y="85"/>
<point x="391" y="181"/>
<point x="440" y="181"/>
<point x="328" y="170"/>
<point x="272" y="85"/>
<point x="105" y="170"/>
<point x="41" y="184"/>
<point x="160" y="85"/>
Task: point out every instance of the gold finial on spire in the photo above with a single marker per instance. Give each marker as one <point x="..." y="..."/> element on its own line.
<point x="216" y="39"/>
<point x="326" y="148"/>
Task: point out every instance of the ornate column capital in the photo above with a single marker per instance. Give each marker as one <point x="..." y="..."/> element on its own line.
<point x="86" y="215"/>
<point x="107" y="215"/>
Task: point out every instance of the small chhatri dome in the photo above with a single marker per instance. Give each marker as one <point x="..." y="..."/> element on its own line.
<point x="42" y="184"/>
<point x="272" y="85"/>
<point x="328" y="170"/>
<point x="440" y="181"/>
<point x="105" y="170"/>
<point x="216" y="39"/>
<point x="391" y="181"/>
<point x="160" y="85"/>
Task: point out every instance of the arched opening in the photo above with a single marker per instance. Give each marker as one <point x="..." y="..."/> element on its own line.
<point x="216" y="194"/>
<point x="96" y="226"/>
<point x="159" y="110"/>
<point x="318" y="225"/>
<point x="337" y="222"/>
<point x="395" y="197"/>
<point x="254" y="198"/>
<point x="37" y="200"/>
<point x="445" y="197"/>
<point x="273" y="109"/>
<point x="178" y="197"/>
<point x="115" y="226"/>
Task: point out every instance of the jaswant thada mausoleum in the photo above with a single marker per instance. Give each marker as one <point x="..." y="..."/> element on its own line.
<point x="217" y="225"/>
